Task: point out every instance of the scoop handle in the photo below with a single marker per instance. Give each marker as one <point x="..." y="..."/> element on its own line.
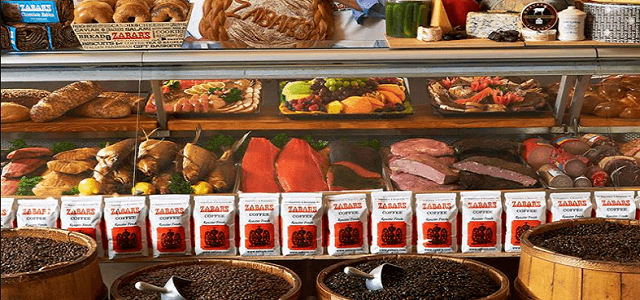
<point x="351" y="271"/>
<point x="147" y="287"/>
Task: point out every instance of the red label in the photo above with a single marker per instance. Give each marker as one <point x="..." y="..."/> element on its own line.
<point x="88" y="231"/>
<point x="127" y="239"/>
<point x="259" y="236"/>
<point x="348" y="234"/>
<point x="520" y="227"/>
<point x="392" y="234"/>
<point x="140" y="35"/>
<point x="214" y="237"/>
<point x="171" y="239"/>
<point x="482" y="234"/>
<point x="436" y="234"/>
<point x="302" y="237"/>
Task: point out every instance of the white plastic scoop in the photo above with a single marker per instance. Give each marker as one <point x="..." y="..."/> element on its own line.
<point x="169" y="291"/>
<point x="374" y="278"/>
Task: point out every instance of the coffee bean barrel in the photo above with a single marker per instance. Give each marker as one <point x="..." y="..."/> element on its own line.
<point x="548" y="275"/>
<point x="496" y="277"/>
<point x="78" y="279"/>
<point x="121" y="287"/>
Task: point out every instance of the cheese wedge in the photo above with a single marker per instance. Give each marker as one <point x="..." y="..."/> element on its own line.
<point x="439" y="17"/>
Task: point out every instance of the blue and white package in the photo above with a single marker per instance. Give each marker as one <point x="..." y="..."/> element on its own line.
<point x="30" y="11"/>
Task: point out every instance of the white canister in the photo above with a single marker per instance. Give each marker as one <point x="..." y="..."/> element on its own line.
<point x="571" y="24"/>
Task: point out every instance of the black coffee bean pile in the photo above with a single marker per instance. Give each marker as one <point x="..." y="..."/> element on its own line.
<point x="425" y="278"/>
<point x="606" y="241"/>
<point x="26" y="254"/>
<point x="212" y="282"/>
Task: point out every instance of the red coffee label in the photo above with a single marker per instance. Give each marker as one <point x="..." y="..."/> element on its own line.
<point x="171" y="239"/>
<point x="436" y="234"/>
<point x="127" y="239"/>
<point x="214" y="237"/>
<point x="348" y="235"/>
<point x="302" y="237"/>
<point x="518" y="228"/>
<point x="392" y="234"/>
<point x="259" y="236"/>
<point x="482" y="234"/>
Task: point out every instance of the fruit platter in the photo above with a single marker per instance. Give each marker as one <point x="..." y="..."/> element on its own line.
<point x="487" y="95"/>
<point x="345" y="98"/>
<point x="208" y="97"/>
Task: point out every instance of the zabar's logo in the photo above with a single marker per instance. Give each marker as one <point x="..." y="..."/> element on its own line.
<point x="35" y="7"/>
<point x="490" y="204"/>
<point x="81" y="211"/>
<point x="392" y="205"/>
<point x="169" y="211"/>
<point x="347" y="205"/>
<point x="302" y="209"/>
<point x="214" y="208"/>
<point x="616" y="202"/>
<point x="258" y="207"/>
<point x="296" y="27"/>
<point x="436" y="205"/>
<point x="4" y="212"/>
<point x="36" y="211"/>
<point x="124" y="210"/>
<point x="525" y="203"/>
<point x="562" y="203"/>
<point x="139" y="35"/>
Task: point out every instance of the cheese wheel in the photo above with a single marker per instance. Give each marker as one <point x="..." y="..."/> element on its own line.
<point x="429" y="34"/>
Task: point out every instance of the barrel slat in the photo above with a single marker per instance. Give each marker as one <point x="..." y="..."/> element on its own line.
<point x="630" y="286"/>
<point x="541" y="278"/>
<point x="598" y="285"/>
<point x="567" y="282"/>
<point x="525" y="268"/>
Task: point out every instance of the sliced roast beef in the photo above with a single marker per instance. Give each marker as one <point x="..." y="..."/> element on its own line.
<point x="474" y="181"/>
<point x="626" y="176"/>
<point x="499" y="168"/>
<point x="409" y="182"/>
<point x="342" y="178"/>
<point x="486" y="146"/>
<point x="426" y="166"/>
<point x="364" y="161"/>
<point x="421" y="146"/>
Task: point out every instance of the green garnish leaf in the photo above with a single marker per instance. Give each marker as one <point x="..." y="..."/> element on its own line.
<point x="315" y="144"/>
<point x="374" y="143"/>
<point x="179" y="186"/>
<point x="280" y="139"/>
<point x="219" y="143"/>
<point x="73" y="191"/>
<point x="172" y="84"/>
<point x="62" y="146"/>
<point x="102" y="144"/>
<point x="26" y="185"/>
<point x="17" y="144"/>
<point x="230" y="96"/>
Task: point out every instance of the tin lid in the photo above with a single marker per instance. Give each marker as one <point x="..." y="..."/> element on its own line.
<point x="539" y="16"/>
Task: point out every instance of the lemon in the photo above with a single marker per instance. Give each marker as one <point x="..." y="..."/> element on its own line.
<point x="89" y="186"/>
<point x="143" y="188"/>
<point x="202" y="188"/>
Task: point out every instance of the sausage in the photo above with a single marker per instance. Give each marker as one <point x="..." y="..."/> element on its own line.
<point x="26" y="97"/>
<point x="62" y="100"/>
<point x="13" y="112"/>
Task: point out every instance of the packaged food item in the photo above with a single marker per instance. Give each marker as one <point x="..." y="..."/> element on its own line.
<point x="302" y="224"/>
<point x="437" y="223"/>
<point x="569" y="206"/>
<point x="84" y="215"/>
<point x="169" y="220"/>
<point x="391" y="219"/>
<point x="348" y="224"/>
<point x="214" y="225"/>
<point x="259" y="224"/>
<point x="38" y="213"/>
<point x="481" y="221"/>
<point x="615" y="204"/>
<point x="8" y="212"/>
<point x="553" y="177"/>
<point x="524" y="210"/>
<point x="126" y="226"/>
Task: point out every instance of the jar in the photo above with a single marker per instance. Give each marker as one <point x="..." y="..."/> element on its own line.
<point x="571" y="24"/>
<point x="404" y="16"/>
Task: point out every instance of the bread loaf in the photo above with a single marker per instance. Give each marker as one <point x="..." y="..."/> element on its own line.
<point x="135" y="102"/>
<point x="609" y="109"/>
<point x="12" y="112"/>
<point x="104" y="107"/>
<point x="64" y="99"/>
<point x="630" y="113"/>
<point x="26" y="97"/>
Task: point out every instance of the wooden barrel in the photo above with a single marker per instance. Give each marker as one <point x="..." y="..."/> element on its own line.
<point x="288" y="275"/>
<point x="547" y="275"/>
<point x="79" y="279"/>
<point x="325" y="293"/>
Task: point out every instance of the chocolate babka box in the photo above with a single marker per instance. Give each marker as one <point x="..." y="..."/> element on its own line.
<point x="37" y="11"/>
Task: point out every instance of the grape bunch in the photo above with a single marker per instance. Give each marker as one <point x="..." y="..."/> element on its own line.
<point x="309" y="103"/>
<point x="331" y="89"/>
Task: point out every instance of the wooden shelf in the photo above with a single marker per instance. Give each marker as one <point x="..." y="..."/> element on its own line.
<point x="80" y="124"/>
<point x="413" y="43"/>
<point x="595" y="121"/>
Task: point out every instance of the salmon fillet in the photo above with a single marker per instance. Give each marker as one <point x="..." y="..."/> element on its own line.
<point x="301" y="169"/>
<point x="258" y="167"/>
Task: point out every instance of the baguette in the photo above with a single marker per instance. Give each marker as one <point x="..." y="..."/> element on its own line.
<point x="132" y="99"/>
<point x="12" y="112"/>
<point x="103" y="107"/>
<point x="26" y="97"/>
<point x="64" y="99"/>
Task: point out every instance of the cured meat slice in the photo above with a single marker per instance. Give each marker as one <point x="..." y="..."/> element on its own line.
<point x="626" y="176"/>
<point x="490" y="147"/>
<point x="364" y="161"/>
<point x="421" y="146"/>
<point x="258" y="169"/>
<point x="21" y="167"/>
<point x="425" y="166"/>
<point x="300" y="168"/>
<point x="499" y="168"/>
<point x="9" y="186"/>
<point x="31" y="152"/>
<point x="342" y="178"/>
<point x="409" y="182"/>
<point x="473" y="181"/>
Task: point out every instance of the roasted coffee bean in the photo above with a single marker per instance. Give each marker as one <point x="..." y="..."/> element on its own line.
<point x="212" y="282"/>
<point x="424" y="278"/>
<point x="27" y="254"/>
<point x="607" y="241"/>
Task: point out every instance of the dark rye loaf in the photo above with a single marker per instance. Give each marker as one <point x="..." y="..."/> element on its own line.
<point x="499" y="168"/>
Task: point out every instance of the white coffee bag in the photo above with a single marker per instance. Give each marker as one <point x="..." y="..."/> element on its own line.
<point x="391" y="219"/>
<point x="615" y="204"/>
<point x="302" y="223"/>
<point x="8" y="212"/>
<point x="126" y="226"/>
<point x="170" y="223"/>
<point x="259" y="224"/>
<point x="437" y="223"/>
<point x="214" y="219"/>
<point x="38" y="213"/>
<point x="569" y="206"/>
<point x="481" y="221"/>
<point x="637" y="205"/>
<point x="524" y="210"/>
<point x="83" y="214"/>
<point x="347" y="215"/>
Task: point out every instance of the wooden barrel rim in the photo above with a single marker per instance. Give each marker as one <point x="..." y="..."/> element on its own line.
<point x="522" y="291"/>
<point x="57" y="269"/>
<point x="598" y="265"/>
<point x="477" y="266"/>
<point x="294" y="279"/>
